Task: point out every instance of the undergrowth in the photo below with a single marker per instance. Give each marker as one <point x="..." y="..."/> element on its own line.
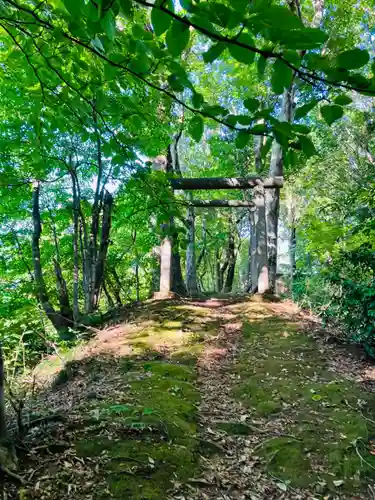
<point x="326" y="421"/>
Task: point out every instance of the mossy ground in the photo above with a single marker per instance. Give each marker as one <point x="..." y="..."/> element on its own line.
<point x="130" y="399"/>
<point x="327" y="419"/>
<point x="138" y="422"/>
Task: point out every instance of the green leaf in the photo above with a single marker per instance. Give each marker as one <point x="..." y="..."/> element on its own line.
<point x="301" y="129"/>
<point x="140" y="33"/>
<point x="176" y="83"/>
<point x="303" y="110"/>
<point x="203" y="22"/>
<point x="358" y="80"/>
<point x="283" y="132"/>
<point x="353" y="59"/>
<point x="293" y="57"/>
<point x="281" y="77"/>
<point x="251" y="104"/>
<point x="75" y="8"/>
<point x="307" y="145"/>
<point x="213" y="52"/>
<point x="343" y="100"/>
<point x="196" y="127"/>
<point x="331" y="113"/>
<point x="177" y="38"/>
<point x="303" y="39"/>
<point x="260" y="128"/>
<point x="197" y="100"/>
<point x="160" y="21"/>
<point x="244" y="120"/>
<point x="148" y="411"/>
<point x="140" y="65"/>
<point x="240" y="5"/>
<point x="187" y="5"/>
<point x="242" y="139"/>
<point x="126" y="7"/>
<point x="277" y="15"/>
<point x="215" y="110"/>
<point x="218" y="13"/>
<point x="231" y="120"/>
<point x="109" y="25"/>
<point x="242" y="54"/>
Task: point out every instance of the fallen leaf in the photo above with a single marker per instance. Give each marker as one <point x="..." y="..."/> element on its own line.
<point x="282" y="486"/>
<point x="339" y="482"/>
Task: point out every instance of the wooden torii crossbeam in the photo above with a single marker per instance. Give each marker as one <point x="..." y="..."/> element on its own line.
<point x="249" y="182"/>
<point x="252" y="181"/>
<point x="220" y="203"/>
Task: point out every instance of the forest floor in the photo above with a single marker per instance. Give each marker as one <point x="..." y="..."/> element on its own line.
<point x="194" y="400"/>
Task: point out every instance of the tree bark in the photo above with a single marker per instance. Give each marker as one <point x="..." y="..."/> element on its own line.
<point x="166" y="266"/>
<point x="114" y="282"/>
<point x="191" y="271"/>
<point x="103" y="249"/>
<point x="58" y="321"/>
<point x="111" y="304"/>
<point x="218" y="274"/>
<point x="276" y="166"/>
<point x="259" y="259"/>
<point x="91" y="268"/>
<point x="273" y="195"/>
<point x="62" y="291"/>
<point x="228" y="285"/>
<point x="177" y="283"/>
<point x="76" y="210"/>
<point x="3" y="430"/>
<point x="226" y="183"/>
<point x="137" y="282"/>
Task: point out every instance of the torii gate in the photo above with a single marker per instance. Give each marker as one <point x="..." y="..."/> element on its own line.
<point x="259" y="253"/>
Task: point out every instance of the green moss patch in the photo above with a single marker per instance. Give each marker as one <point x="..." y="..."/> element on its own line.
<point x="327" y="420"/>
<point x="147" y="436"/>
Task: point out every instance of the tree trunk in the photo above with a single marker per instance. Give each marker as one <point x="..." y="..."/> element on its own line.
<point x="137" y="282"/>
<point x="166" y="266"/>
<point x="253" y="261"/>
<point x="177" y="281"/>
<point x="76" y="209"/>
<point x="3" y="430"/>
<point x="191" y="271"/>
<point x="218" y="274"/>
<point x="292" y="241"/>
<point x="57" y="320"/>
<point x="273" y="195"/>
<point x="230" y="262"/>
<point x="276" y="166"/>
<point x="103" y="249"/>
<point x="113" y="281"/>
<point x="93" y="291"/>
<point x="231" y="269"/>
<point x="259" y="268"/>
<point x="111" y="304"/>
<point x="62" y="292"/>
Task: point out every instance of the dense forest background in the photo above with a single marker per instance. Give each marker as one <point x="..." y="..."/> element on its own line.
<point x="101" y="103"/>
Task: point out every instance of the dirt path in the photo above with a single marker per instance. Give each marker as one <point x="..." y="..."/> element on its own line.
<point x="231" y="472"/>
<point x="239" y="469"/>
